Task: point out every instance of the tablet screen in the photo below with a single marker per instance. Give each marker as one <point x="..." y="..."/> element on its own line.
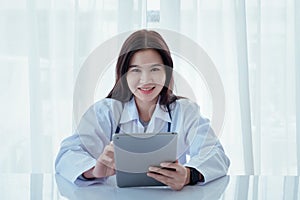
<point x="135" y="153"/>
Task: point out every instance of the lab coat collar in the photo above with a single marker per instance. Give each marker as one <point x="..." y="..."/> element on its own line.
<point x="161" y="113"/>
<point x="130" y="112"/>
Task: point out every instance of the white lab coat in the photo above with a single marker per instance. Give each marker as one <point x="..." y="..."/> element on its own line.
<point x="79" y="152"/>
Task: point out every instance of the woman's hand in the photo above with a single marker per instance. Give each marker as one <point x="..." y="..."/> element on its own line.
<point x="105" y="165"/>
<point x="177" y="176"/>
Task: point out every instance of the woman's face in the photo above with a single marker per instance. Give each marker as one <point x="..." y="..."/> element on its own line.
<point x="146" y="75"/>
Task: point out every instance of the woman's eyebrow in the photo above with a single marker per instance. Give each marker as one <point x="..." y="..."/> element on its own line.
<point x="130" y="66"/>
<point x="157" y="65"/>
<point x="151" y="65"/>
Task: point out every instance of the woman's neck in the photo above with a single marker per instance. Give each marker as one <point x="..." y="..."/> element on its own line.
<point x="145" y="109"/>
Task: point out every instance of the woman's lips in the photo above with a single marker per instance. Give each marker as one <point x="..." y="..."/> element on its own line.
<point x="147" y="90"/>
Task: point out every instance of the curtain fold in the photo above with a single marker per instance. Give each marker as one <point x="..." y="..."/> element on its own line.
<point x="244" y="94"/>
<point x="35" y="97"/>
<point x="297" y="75"/>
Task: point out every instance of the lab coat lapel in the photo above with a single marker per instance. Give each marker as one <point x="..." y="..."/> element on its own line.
<point x="129" y="121"/>
<point x="159" y="120"/>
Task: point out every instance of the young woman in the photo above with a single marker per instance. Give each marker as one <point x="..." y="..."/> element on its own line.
<point x="142" y="101"/>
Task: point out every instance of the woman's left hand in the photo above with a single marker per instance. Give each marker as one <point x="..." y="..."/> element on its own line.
<point x="176" y="177"/>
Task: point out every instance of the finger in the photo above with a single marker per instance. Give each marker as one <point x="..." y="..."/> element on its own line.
<point x="158" y="177"/>
<point x="165" y="180"/>
<point x="170" y="165"/>
<point x="164" y="172"/>
<point x="109" y="172"/>
<point x="106" y="160"/>
<point x="109" y="148"/>
<point x="110" y="155"/>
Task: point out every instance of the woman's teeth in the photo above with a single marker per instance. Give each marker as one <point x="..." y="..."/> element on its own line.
<point x="146" y="89"/>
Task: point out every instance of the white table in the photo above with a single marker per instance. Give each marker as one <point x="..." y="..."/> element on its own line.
<point x="54" y="187"/>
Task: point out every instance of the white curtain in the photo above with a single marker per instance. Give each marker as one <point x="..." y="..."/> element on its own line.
<point x="255" y="46"/>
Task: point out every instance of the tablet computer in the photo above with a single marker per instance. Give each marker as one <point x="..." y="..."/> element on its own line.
<point x="135" y="153"/>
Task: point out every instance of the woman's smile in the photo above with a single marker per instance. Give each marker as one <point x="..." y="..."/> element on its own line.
<point x="146" y="90"/>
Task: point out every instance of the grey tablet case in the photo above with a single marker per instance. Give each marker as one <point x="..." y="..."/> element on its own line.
<point x="135" y="153"/>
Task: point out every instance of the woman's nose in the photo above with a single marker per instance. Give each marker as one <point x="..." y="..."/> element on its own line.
<point x="145" y="77"/>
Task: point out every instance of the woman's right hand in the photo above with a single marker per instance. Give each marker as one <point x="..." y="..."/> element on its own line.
<point x="105" y="165"/>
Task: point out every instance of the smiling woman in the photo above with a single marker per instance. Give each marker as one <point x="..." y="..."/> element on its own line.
<point x="142" y="101"/>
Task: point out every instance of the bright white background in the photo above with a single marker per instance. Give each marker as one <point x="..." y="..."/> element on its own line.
<point x="255" y="45"/>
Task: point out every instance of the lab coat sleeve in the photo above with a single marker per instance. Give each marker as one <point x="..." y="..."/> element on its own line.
<point x="206" y="152"/>
<point x="79" y="152"/>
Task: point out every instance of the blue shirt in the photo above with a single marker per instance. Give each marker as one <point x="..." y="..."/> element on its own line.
<point x="196" y="139"/>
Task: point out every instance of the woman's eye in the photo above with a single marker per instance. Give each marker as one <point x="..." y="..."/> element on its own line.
<point x="135" y="70"/>
<point x="155" y="69"/>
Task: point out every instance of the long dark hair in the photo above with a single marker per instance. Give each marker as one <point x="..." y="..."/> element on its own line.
<point x="139" y="40"/>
